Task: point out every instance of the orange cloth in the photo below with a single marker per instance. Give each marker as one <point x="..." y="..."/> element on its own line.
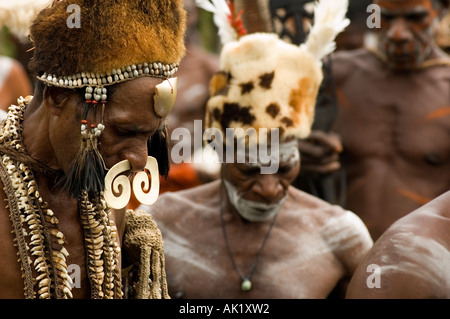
<point x="181" y="176"/>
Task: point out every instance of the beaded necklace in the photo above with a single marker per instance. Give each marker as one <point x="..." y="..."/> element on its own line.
<point x="39" y="242"/>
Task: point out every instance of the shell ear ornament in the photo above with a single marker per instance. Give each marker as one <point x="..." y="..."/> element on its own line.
<point x="165" y="96"/>
<point x="145" y="184"/>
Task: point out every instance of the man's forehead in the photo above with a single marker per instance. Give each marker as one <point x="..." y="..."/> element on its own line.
<point x="405" y="4"/>
<point x="286" y="153"/>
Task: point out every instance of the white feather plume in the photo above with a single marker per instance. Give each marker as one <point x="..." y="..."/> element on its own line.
<point x="329" y="20"/>
<point x="18" y="15"/>
<point x="221" y="12"/>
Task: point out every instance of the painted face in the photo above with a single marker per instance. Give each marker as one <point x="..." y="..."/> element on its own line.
<point x="407" y="31"/>
<point x="258" y="197"/>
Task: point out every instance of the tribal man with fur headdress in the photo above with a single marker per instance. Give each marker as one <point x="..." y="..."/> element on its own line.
<point x="104" y="87"/>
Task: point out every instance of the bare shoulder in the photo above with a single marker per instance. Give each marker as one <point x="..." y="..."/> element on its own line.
<point x="411" y="257"/>
<point x="187" y="202"/>
<point x="341" y="231"/>
<point x="347" y="62"/>
<point x="321" y="211"/>
<point x="333" y="222"/>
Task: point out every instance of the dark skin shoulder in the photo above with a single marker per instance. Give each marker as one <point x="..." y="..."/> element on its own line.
<point x="412" y="257"/>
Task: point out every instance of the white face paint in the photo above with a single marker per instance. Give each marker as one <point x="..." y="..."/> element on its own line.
<point x="250" y="210"/>
<point x="286" y="153"/>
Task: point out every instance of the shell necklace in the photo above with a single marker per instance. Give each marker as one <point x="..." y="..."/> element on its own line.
<point x="39" y="242"/>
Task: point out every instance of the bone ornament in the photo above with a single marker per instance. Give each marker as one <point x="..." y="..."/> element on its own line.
<point x="165" y="96"/>
<point x="118" y="186"/>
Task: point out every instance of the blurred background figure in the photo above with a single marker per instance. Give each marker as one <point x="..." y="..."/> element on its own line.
<point x="14" y="82"/>
<point x="357" y="34"/>
<point x="14" y="25"/>
<point x="195" y="71"/>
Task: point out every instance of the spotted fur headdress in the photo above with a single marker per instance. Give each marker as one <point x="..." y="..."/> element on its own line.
<point x="265" y="82"/>
<point x="90" y="45"/>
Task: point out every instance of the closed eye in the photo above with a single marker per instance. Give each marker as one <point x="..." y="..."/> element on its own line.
<point x="387" y="17"/>
<point x="285" y="169"/>
<point x="417" y="17"/>
<point x="123" y="132"/>
<point x="249" y="170"/>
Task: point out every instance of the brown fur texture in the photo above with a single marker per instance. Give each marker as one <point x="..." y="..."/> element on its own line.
<point x="113" y="34"/>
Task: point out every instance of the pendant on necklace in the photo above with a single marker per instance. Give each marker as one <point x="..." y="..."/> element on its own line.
<point x="246" y="285"/>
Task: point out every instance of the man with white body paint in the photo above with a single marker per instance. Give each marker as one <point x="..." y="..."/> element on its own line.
<point x="411" y="258"/>
<point x="250" y="234"/>
<point x="312" y="248"/>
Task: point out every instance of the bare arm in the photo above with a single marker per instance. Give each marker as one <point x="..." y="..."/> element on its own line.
<point x="404" y="263"/>
<point x="16" y="84"/>
<point x="372" y="281"/>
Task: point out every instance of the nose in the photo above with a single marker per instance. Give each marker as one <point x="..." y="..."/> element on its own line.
<point x="399" y="32"/>
<point x="269" y="188"/>
<point x="137" y="155"/>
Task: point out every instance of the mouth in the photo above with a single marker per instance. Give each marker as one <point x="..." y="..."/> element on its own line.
<point x="401" y="53"/>
<point x="402" y="57"/>
<point x="402" y="60"/>
<point x="261" y="210"/>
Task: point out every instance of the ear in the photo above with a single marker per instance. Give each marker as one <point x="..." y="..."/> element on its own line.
<point x="55" y="99"/>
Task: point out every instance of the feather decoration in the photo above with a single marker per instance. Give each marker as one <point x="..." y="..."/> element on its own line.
<point x="87" y="171"/>
<point x="18" y="15"/>
<point x="222" y="14"/>
<point x="236" y="21"/>
<point x="329" y="20"/>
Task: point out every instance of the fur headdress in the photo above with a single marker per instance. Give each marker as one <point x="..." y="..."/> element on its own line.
<point x="265" y="82"/>
<point x="112" y="35"/>
<point x="93" y="44"/>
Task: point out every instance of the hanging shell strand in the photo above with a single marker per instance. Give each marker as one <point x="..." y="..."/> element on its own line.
<point x="48" y="262"/>
<point x="112" y="283"/>
<point x="102" y="248"/>
<point x="39" y="241"/>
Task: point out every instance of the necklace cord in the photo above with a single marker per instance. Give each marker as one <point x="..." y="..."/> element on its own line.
<point x="266" y="237"/>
